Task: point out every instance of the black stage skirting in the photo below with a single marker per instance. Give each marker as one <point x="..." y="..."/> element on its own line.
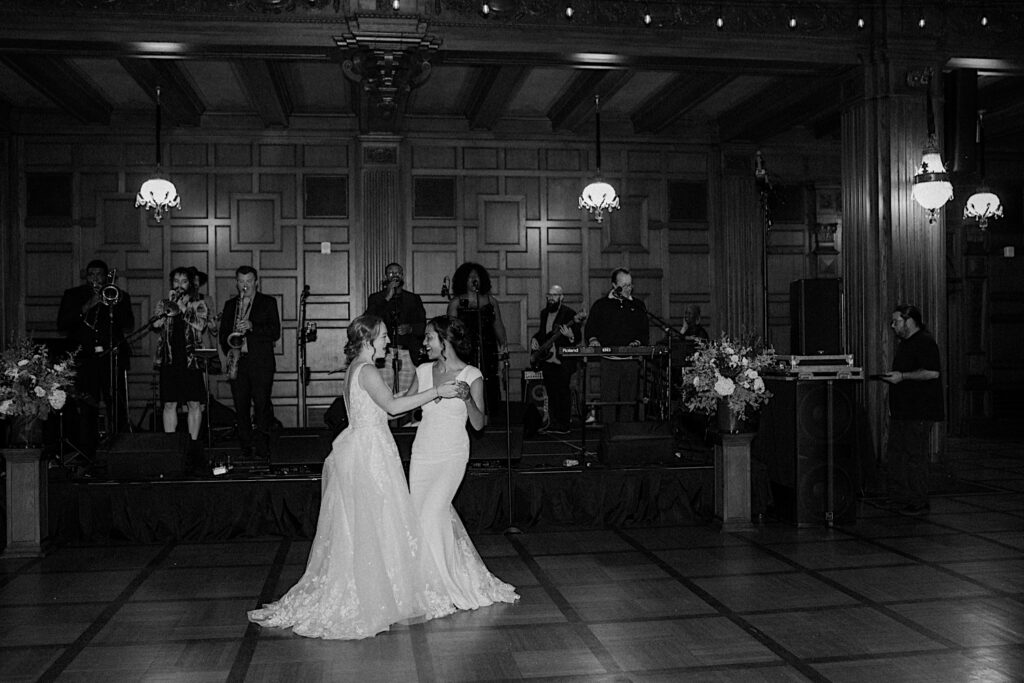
<point x="153" y="512"/>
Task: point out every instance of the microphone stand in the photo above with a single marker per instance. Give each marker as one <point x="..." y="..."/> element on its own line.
<point x="670" y="334"/>
<point x="512" y="528"/>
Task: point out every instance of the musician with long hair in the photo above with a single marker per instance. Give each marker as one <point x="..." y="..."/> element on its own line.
<point x="249" y="327"/>
<point x="473" y="304"/>
<point x="182" y="321"/>
<point x="95" y="317"/>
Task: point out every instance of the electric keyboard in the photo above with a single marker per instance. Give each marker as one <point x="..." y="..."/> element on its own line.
<point x="632" y="351"/>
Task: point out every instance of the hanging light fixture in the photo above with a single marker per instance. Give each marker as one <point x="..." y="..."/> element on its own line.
<point x="984" y="203"/>
<point x="932" y="188"/>
<point x="158" y="194"/>
<point x="598" y="196"/>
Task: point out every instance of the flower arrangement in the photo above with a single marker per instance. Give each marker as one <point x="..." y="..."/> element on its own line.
<point x="32" y="385"/>
<point x="728" y="370"/>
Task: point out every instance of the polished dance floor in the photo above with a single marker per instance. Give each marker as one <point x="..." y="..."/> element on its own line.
<point x="892" y="598"/>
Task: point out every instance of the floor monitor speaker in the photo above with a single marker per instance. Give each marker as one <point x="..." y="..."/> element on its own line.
<point x="146" y="455"/>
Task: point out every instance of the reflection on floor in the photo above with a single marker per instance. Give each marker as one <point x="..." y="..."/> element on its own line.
<point x="935" y="598"/>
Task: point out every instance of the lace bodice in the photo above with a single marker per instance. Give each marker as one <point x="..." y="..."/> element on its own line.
<point x="363" y="412"/>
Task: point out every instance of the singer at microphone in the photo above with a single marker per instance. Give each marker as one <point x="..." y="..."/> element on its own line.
<point x="406" y="318"/>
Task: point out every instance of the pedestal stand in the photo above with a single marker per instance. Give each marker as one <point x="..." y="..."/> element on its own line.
<point x="27" y="525"/>
<point x="732" y="482"/>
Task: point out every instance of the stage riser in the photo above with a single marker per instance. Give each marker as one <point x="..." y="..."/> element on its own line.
<point x="157" y="512"/>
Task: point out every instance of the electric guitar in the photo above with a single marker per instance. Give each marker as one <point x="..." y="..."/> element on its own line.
<point x="546" y="352"/>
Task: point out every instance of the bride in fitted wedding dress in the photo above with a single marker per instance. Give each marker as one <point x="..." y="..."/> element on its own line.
<point x="368" y="567"/>
<point x="440" y="454"/>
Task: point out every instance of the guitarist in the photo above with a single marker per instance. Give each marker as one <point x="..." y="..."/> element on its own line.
<point x="559" y="326"/>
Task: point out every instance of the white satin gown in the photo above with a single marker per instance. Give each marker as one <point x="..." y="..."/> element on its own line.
<point x="440" y="454"/>
<point x="368" y="567"/>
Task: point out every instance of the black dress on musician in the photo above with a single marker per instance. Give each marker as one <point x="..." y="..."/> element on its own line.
<point x="480" y="326"/>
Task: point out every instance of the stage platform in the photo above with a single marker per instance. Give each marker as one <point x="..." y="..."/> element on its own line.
<point x="137" y="490"/>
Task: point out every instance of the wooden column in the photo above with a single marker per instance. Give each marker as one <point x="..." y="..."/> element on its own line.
<point x="26" y="488"/>
<point x="891" y="253"/>
<point x="732" y="481"/>
<point x="739" y="242"/>
<point x="381" y="208"/>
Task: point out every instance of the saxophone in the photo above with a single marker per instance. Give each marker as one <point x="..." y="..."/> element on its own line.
<point x="237" y="338"/>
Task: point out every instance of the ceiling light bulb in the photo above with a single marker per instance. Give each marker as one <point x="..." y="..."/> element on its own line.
<point x="984" y="21"/>
<point x="647" y="18"/>
<point x="719" y="23"/>
<point x="486" y="9"/>
<point x="792" y="22"/>
<point x="920" y="22"/>
<point x="568" y="12"/>
<point x="860" y="22"/>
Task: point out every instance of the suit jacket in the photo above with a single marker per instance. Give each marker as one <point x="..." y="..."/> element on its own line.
<point x="93" y="328"/>
<point x="564" y="316"/>
<point x="266" y="326"/>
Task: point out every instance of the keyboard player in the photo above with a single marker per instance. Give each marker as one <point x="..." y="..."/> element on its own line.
<point x="619" y="320"/>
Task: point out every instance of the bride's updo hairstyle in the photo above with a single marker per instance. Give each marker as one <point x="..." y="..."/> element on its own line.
<point x="453" y="331"/>
<point x="362" y="330"/>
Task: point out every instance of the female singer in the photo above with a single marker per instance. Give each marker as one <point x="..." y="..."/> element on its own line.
<point x="473" y="304"/>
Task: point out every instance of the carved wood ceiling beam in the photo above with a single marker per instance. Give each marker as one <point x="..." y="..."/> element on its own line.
<point x="267" y="87"/>
<point x="1004" y="123"/>
<point x="785" y="103"/>
<point x="494" y="88"/>
<point x="680" y="95"/>
<point x="576" y="103"/>
<point x="179" y="101"/>
<point x="63" y="84"/>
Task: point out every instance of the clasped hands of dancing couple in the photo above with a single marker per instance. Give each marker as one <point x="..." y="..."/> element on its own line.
<point x="382" y="554"/>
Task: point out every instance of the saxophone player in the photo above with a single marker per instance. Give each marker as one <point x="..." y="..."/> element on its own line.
<point x="249" y="327"/>
<point x="183" y="319"/>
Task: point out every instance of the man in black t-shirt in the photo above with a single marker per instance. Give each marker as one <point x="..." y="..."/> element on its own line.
<point x="403" y="313"/>
<point x="915" y="405"/>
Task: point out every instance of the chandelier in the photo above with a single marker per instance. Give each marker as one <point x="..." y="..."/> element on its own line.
<point x="932" y="188"/>
<point x="984" y="203"/>
<point x="598" y="196"/>
<point x="158" y="193"/>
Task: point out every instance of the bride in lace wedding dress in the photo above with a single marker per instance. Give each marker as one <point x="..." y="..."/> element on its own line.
<point x="440" y="454"/>
<point x="368" y="567"/>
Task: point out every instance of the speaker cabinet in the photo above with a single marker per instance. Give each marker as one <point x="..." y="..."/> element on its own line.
<point x="535" y="403"/>
<point x="815" y="317"/>
<point x="307" y="447"/>
<point x="146" y="455"/>
<point x="626" y="444"/>
<point x="793" y="442"/>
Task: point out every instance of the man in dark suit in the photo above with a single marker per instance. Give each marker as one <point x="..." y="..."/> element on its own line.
<point x="249" y="327"/>
<point x="559" y="326"/>
<point x="96" y="321"/>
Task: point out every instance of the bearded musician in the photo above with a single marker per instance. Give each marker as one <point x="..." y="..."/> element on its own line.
<point x="182" y="321"/>
<point x="559" y="326"/>
<point x="249" y="327"/>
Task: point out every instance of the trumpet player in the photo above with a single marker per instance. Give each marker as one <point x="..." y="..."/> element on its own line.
<point x="249" y="326"/>
<point x="182" y="321"/>
<point x="95" y="317"/>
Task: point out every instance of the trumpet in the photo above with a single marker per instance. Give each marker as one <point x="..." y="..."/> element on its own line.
<point x="110" y="294"/>
<point x="169" y="306"/>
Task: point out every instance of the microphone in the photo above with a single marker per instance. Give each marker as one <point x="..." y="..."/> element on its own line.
<point x="446" y="287"/>
<point x="618" y="290"/>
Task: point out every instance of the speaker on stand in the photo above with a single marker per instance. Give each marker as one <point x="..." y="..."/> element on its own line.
<point x="816" y="315"/>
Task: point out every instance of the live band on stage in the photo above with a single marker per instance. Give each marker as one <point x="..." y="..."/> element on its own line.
<point x="610" y="340"/>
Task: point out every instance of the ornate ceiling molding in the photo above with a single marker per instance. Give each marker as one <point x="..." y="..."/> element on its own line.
<point x="386" y="57"/>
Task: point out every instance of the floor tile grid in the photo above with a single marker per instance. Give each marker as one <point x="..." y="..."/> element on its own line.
<point x="244" y="655"/>
<point x="723" y="610"/>
<point x="597" y="649"/>
<point x="68" y="655"/>
<point x="859" y="597"/>
<point x="944" y="567"/>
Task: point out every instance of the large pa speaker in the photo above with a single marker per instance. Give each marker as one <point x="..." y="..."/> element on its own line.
<point x="535" y="403"/>
<point x="815" y="308"/>
<point x="793" y="441"/>
<point x="146" y="455"/>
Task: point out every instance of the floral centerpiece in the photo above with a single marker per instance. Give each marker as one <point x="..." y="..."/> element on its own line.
<point x="31" y="385"/>
<point x="728" y="372"/>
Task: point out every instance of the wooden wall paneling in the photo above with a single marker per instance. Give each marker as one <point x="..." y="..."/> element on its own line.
<point x="473" y="189"/>
<point x="738" y="245"/>
<point x="118" y="222"/>
<point x="527" y="187"/>
<point x="225" y="187"/>
<point x="502" y="219"/>
<point x="283" y="185"/>
<point x="626" y="230"/>
<point x="193" y="190"/>
<point x="430" y="265"/>
<point x="562" y="195"/>
<point x="285" y="258"/>
<point x="92" y="188"/>
<point x="49" y="269"/>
